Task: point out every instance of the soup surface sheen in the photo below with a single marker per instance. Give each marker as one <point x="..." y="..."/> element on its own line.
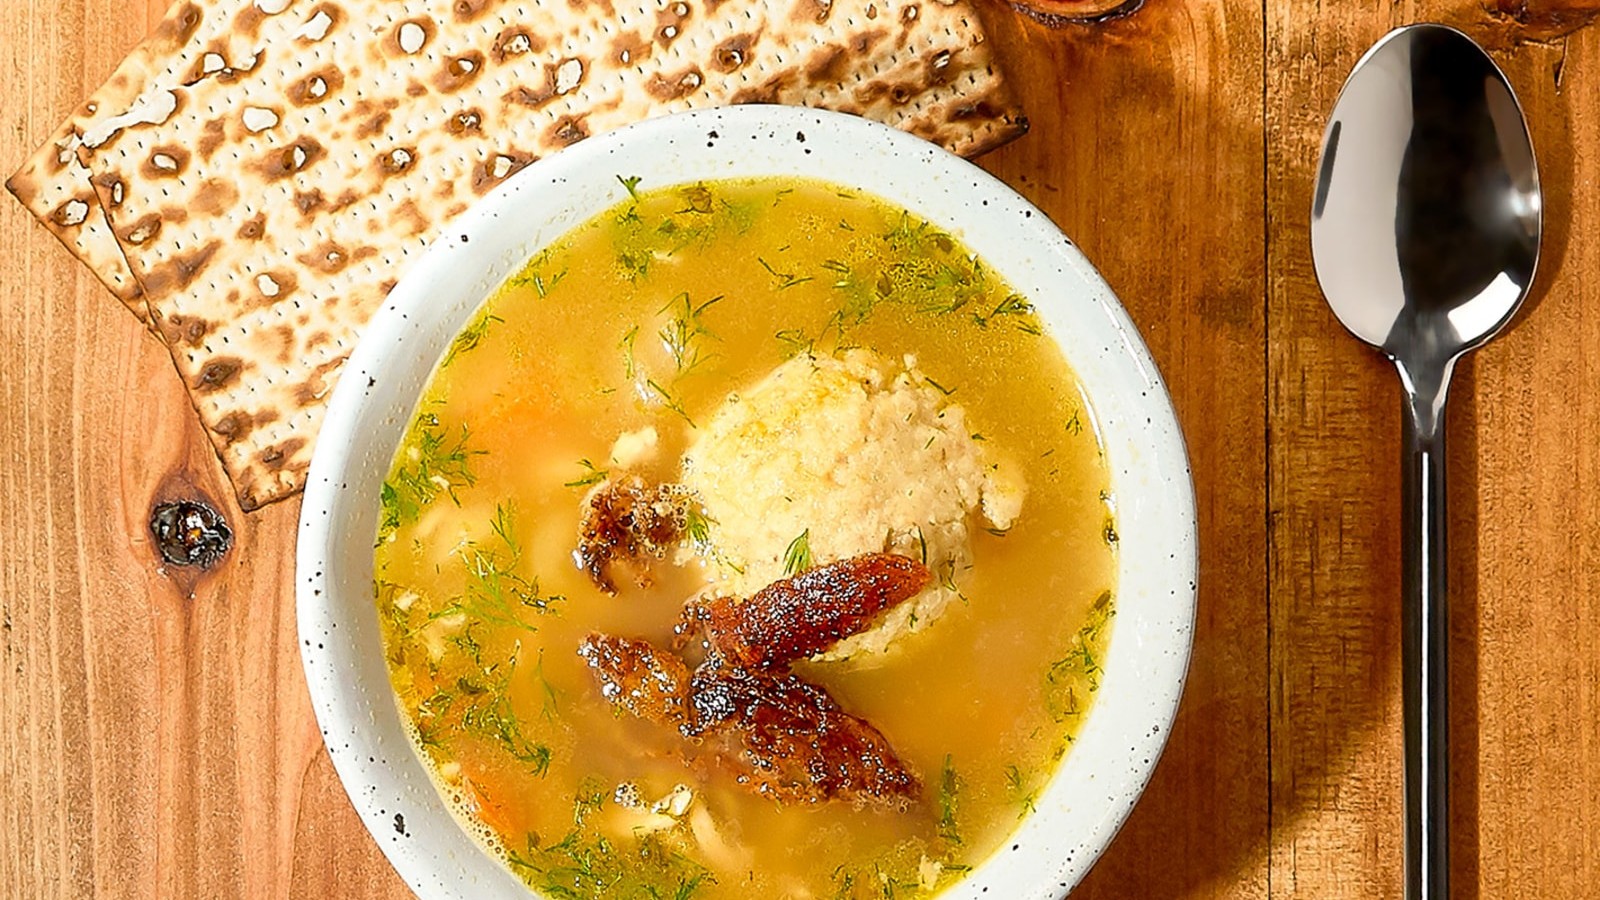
<point x="646" y="319"/>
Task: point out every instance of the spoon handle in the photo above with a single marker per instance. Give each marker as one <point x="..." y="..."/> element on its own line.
<point x="1423" y="654"/>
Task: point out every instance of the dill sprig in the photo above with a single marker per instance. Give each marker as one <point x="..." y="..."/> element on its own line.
<point x="592" y="475"/>
<point x="698" y="526"/>
<point x="629" y="365"/>
<point x="470" y="336"/>
<point x="685" y="333"/>
<point x="586" y="863"/>
<point x="669" y="400"/>
<point x="430" y="464"/>
<point x="495" y="591"/>
<point x="783" y="280"/>
<point x="797" y="558"/>
<point x="949" y="801"/>
<point x="1022" y="792"/>
<point x="1077" y="673"/>
<point x="491" y="717"/>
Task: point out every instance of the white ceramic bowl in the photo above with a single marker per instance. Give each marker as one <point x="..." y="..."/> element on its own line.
<point x="1101" y="777"/>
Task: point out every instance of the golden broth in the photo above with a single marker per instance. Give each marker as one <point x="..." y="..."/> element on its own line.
<point x="612" y="330"/>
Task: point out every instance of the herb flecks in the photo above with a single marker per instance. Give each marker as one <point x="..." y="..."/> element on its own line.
<point x="782" y="281"/>
<point x="470" y="337"/>
<point x="797" y="558"/>
<point x="949" y="802"/>
<point x="431" y="464"/>
<point x="630" y="365"/>
<point x="668" y="400"/>
<point x="698" y="526"/>
<point x="586" y="863"/>
<point x="1072" y="679"/>
<point x="592" y="475"/>
<point x="493" y="719"/>
<point x="1021" y="790"/>
<point x="496" y="591"/>
<point x="685" y="334"/>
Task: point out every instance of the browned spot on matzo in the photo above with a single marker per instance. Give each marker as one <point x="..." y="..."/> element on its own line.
<point x="733" y="53"/>
<point x="458" y="72"/>
<point x="217" y="374"/>
<point x="179" y="272"/>
<point x="215" y="197"/>
<point x="253" y="228"/>
<point x="316" y="86"/>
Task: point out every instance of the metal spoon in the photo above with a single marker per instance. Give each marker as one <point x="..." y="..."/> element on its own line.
<point x="1425" y="234"/>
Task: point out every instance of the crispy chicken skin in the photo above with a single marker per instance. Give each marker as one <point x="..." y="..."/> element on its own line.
<point x="806" y="614"/>
<point x="788" y="739"/>
<point x="783" y="737"/>
<point x="650" y="683"/>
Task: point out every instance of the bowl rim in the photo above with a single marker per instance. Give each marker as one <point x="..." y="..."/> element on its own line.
<point x="1052" y="848"/>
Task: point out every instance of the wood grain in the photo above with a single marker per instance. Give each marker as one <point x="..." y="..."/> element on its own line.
<point x="1522" y="494"/>
<point x="1146" y="148"/>
<point x="156" y="740"/>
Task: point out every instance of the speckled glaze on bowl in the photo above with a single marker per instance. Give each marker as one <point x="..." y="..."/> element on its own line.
<point x="1102" y="776"/>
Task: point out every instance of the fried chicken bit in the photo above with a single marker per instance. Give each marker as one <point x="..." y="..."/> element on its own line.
<point x="641" y="679"/>
<point x="627" y="519"/>
<point x="784" y="738"/>
<point x="806" y="614"/>
<point x="790" y="740"/>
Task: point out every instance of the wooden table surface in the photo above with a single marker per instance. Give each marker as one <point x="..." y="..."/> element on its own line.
<point x="157" y="740"/>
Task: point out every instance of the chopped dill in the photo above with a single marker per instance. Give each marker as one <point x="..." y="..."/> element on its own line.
<point x="495" y="720"/>
<point x="635" y="264"/>
<point x="1020" y="791"/>
<point x="495" y="591"/>
<point x="795" y="341"/>
<point x="783" y="280"/>
<point x="949" y="801"/>
<point x="552" y="705"/>
<point x="592" y="475"/>
<point x="1012" y="305"/>
<point x="632" y="184"/>
<point x="1075" y="424"/>
<point x="685" y="334"/>
<point x="470" y="336"/>
<point x="585" y="864"/>
<point x="628" y="364"/>
<point x="698" y="526"/>
<point x="668" y="400"/>
<point x="942" y="389"/>
<point x="431" y="464"/>
<point x="1079" y="668"/>
<point x="533" y="273"/>
<point x="797" y="558"/>
<point x="699" y="198"/>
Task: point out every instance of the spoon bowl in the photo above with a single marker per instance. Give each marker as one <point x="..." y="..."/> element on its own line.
<point x="1427" y="214"/>
<point x="1425" y="232"/>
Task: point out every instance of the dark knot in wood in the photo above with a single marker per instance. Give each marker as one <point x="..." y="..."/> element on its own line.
<point x="190" y="533"/>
